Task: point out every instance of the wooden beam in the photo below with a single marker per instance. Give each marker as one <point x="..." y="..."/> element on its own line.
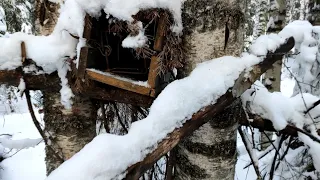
<point x="33" y="82"/>
<point x="82" y="64"/>
<point x="50" y="83"/>
<point x="153" y="73"/>
<point x="158" y="46"/>
<point x="206" y="114"/>
<point x="161" y="32"/>
<point x="120" y="83"/>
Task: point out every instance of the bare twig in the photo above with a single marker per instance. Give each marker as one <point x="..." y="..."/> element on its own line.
<point x="249" y="150"/>
<point x="275" y="156"/>
<point x="104" y="119"/>
<point x="285" y="152"/>
<point x="313" y="106"/>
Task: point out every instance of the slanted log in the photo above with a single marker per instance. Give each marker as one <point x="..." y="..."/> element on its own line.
<point x="203" y="116"/>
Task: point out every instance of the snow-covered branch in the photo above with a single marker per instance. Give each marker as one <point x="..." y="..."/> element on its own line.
<point x="183" y="106"/>
<point x="296" y="116"/>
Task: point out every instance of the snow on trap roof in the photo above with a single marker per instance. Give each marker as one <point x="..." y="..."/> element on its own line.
<point x="50" y="52"/>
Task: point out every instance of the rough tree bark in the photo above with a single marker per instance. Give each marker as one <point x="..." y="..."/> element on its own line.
<point x="212" y="29"/>
<point x="71" y="129"/>
<point x="272" y="78"/>
<point x="210" y="152"/>
<point x="46" y="16"/>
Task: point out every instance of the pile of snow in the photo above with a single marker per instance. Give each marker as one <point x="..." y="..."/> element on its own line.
<point x="124" y="9"/>
<point x="108" y="156"/>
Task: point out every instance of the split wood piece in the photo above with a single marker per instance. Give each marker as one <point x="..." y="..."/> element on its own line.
<point x="158" y="45"/>
<point x="153" y="73"/>
<point x="82" y="64"/>
<point x="23" y="52"/>
<point x="120" y="83"/>
<point x="204" y="115"/>
<point x="160" y="34"/>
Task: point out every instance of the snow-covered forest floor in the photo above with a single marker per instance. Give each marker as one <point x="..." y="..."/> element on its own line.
<point x="25" y="164"/>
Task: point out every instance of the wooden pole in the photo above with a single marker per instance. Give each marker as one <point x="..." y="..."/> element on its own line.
<point x="158" y="45"/>
<point x="82" y="64"/>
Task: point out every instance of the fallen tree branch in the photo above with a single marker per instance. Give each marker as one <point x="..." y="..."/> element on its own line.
<point x="266" y="125"/>
<point x="203" y="116"/>
<point x="313" y="106"/>
<point x="261" y="156"/>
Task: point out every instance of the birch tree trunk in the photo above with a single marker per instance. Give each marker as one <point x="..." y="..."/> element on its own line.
<point x="71" y="129"/>
<point x="210" y="152"/>
<point x="272" y="78"/>
<point x="47" y="14"/>
<point x="277" y="14"/>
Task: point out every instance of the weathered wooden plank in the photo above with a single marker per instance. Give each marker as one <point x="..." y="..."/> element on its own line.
<point x="82" y="64"/>
<point x="158" y="45"/>
<point x="160" y="34"/>
<point x="120" y="83"/>
<point x="153" y="73"/>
